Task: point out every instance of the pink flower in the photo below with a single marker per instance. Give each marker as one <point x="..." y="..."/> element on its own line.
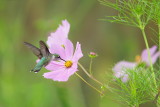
<point x="121" y="67"/>
<point x="59" y="43"/>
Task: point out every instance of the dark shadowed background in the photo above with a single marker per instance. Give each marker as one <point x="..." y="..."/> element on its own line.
<point x="33" y="20"/>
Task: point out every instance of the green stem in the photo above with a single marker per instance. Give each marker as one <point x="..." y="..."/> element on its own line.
<point x="90" y="66"/>
<point x="149" y="55"/>
<point x="90" y="76"/>
<point x="159" y="39"/>
<point x="147" y="46"/>
<point x="89" y="84"/>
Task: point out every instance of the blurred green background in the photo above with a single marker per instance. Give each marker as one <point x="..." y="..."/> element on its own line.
<point x="33" y="20"/>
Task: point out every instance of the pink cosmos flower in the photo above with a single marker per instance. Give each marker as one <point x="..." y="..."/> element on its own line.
<point x="120" y="68"/>
<point x="59" y="43"/>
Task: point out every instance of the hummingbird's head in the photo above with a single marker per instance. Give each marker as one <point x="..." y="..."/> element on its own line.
<point x="57" y="57"/>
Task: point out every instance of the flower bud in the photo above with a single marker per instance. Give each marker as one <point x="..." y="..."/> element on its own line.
<point x="92" y="55"/>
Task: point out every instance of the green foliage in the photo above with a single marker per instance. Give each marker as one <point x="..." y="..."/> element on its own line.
<point x="156" y="8"/>
<point x="142" y="86"/>
<point x="131" y="12"/>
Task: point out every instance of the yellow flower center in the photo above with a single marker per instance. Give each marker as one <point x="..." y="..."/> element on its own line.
<point x="138" y="59"/>
<point x="68" y="64"/>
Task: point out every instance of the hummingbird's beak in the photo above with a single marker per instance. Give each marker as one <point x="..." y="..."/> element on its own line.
<point x="62" y="59"/>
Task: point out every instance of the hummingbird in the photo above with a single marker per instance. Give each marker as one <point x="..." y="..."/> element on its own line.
<point x="43" y="54"/>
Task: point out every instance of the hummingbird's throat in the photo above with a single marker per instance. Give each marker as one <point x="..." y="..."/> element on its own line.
<point x="68" y="64"/>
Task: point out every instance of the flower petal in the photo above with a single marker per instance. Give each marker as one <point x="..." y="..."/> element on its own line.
<point x="144" y="54"/>
<point x="78" y="53"/>
<point x="56" y="49"/>
<point x="56" y="75"/>
<point x="75" y="66"/>
<point x="60" y="35"/>
<point x="54" y="65"/>
<point x="37" y="60"/>
<point x="123" y="65"/>
<point x="71" y="71"/>
<point x="155" y="57"/>
<point x="120" y="69"/>
<point x="119" y="74"/>
<point x="60" y="74"/>
<point x="125" y="78"/>
<point x="68" y="49"/>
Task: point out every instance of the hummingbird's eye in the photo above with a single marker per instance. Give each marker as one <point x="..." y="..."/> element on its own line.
<point x="58" y="56"/>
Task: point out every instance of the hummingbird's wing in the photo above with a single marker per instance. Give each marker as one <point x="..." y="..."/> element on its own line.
<point x="44" y="49"/>
<point x="34" y="49"/>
